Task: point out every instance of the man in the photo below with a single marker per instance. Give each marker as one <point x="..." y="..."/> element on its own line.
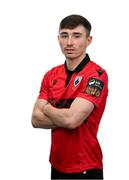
<point x="71" y="102"/>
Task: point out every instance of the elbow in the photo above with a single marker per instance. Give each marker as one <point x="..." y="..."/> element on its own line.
<point x="33" y="124"/>
<point x="72" y="126"/>
<point x="34" y="121"/>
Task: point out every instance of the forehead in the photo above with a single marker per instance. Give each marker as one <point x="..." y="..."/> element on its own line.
<point x="78" y="29"/>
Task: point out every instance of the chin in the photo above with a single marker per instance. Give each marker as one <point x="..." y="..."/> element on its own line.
<point x="71" y="56"/>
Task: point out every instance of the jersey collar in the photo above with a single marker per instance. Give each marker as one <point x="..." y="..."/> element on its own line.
<point x="80" y="66"/>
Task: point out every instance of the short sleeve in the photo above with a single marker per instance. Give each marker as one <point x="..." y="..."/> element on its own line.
<point x="95" y="88"/>
<point x="43" y="93"/>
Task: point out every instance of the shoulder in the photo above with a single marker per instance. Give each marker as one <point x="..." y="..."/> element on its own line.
<point x="94" y="73"/>
<point x="96" y="70"/>
<point x="56" y="69"/>
<point x="53" y="72"/>
<point x="97" y="80"/>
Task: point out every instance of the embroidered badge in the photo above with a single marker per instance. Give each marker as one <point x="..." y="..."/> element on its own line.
<point x="94" y="87"/>
<point x="77" y="80"/>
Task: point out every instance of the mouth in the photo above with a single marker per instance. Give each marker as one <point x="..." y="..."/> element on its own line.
<point x="69" y="50"/>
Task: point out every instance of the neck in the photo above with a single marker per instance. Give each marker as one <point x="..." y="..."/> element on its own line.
<point x="73" y="63"/>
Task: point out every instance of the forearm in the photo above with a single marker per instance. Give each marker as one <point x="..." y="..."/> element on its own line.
<point x="60" y="117"/>
<point x="71" y="117"/>
<point x="40" y="120"/>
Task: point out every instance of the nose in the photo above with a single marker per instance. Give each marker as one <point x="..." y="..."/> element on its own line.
<point x="69" y="41"/>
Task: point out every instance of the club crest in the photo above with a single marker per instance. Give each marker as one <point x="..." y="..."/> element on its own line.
<point x="77" y="80"/>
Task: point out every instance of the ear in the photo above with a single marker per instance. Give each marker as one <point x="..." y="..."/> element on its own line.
<point x="89" y="40"/>
<point x="58" y="38"/>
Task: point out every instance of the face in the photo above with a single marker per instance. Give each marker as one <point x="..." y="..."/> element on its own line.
<point x="73" y="42"/>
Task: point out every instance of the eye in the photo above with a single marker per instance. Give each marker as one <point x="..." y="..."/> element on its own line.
<point x="64" y="36"/>
<point x="77" y="36"/>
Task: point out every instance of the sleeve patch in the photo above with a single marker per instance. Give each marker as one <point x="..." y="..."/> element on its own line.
<point x="94" y="87"/>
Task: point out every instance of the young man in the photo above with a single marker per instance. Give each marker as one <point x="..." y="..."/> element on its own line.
<point x="71" y="102"/>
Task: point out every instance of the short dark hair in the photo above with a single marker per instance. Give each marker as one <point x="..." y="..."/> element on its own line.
<point x="72" y="21"/>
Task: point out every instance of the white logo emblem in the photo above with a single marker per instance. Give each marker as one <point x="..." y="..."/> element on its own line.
<point x="91" y="82"/>
<point x="77" y="80"/>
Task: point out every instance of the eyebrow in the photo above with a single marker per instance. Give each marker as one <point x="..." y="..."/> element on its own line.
<point x="63" y="33"/>
<point x="75" y="33"/>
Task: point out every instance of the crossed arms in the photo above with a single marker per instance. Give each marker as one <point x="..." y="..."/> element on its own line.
<point x="48" y="117"/>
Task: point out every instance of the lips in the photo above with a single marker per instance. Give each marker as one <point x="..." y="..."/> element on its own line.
<point x="69" y="49"/>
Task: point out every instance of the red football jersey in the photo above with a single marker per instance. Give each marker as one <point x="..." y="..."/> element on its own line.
<point x="78" y="149"/>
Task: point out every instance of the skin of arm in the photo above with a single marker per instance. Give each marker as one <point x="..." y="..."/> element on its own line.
<point x="70" y="118"/>
<point x="39" y="119"/>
